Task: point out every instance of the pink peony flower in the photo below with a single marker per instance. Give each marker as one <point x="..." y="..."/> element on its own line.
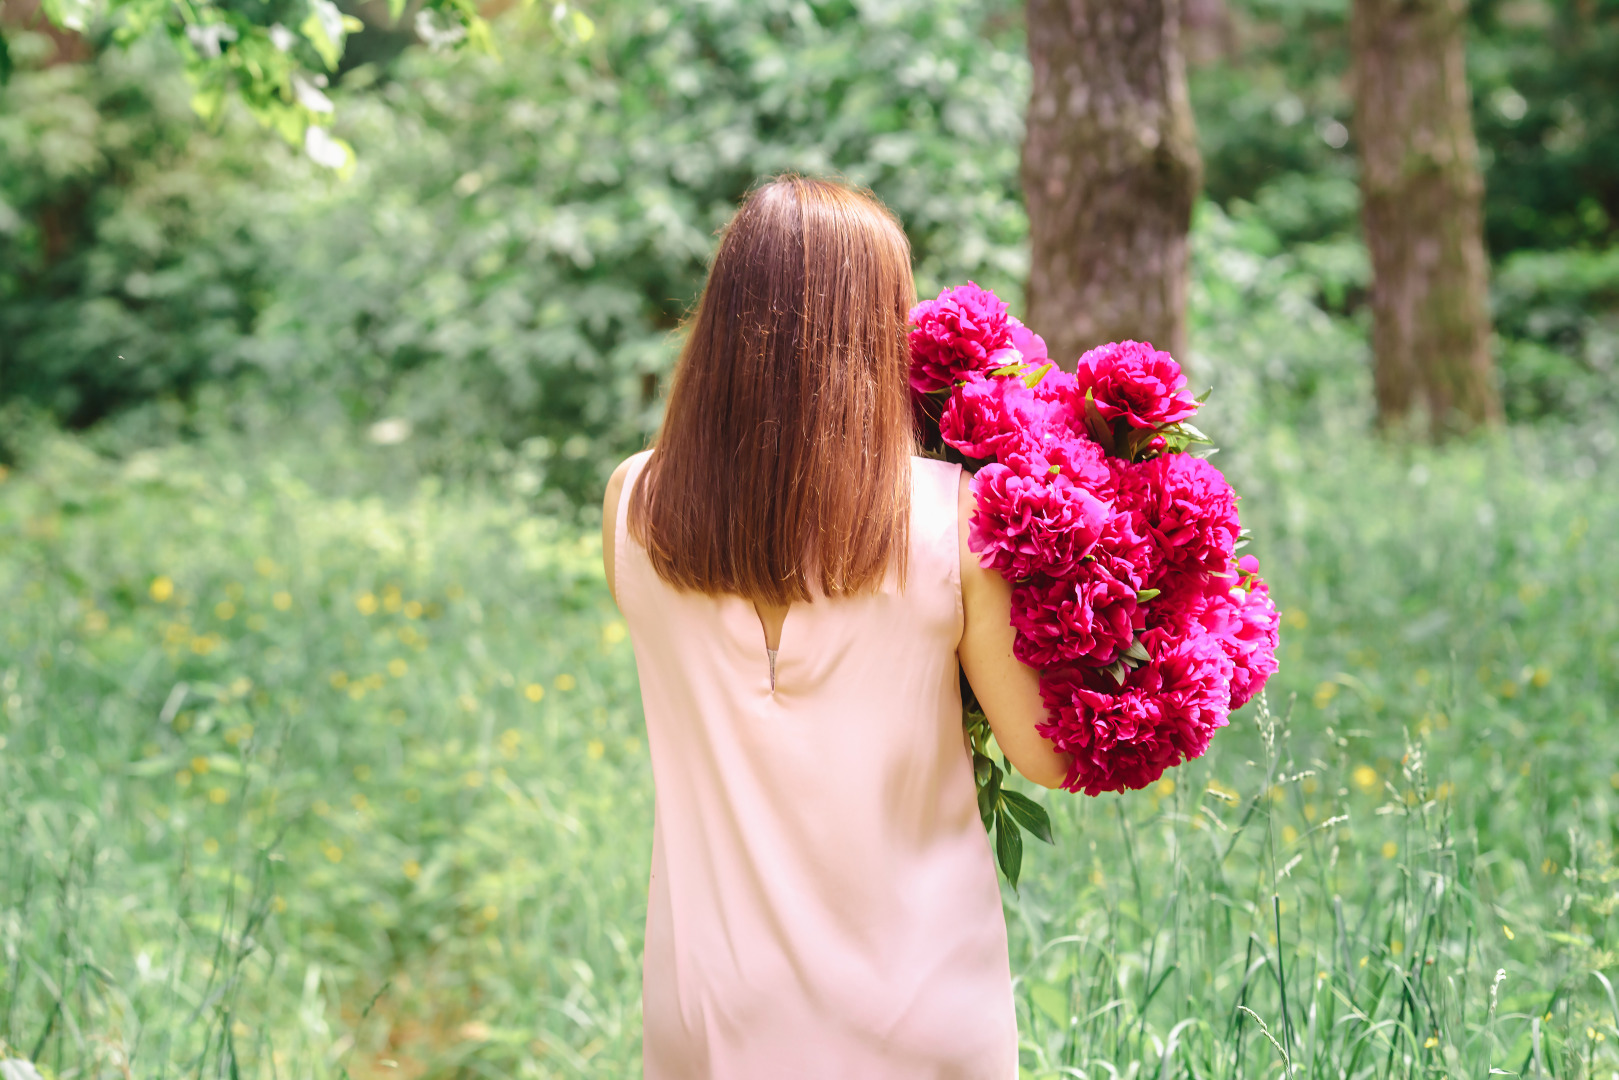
<point x="1090" y="620"/>
<point x="1030" y="520"/>
<point x="1250" y="640"/>
<point x="1132" y="380"/>
<point x="1123" y="738"/>
<point x="1030" y="345"/>
<point x="1126" y="549"/>
<point x="1102" y="552"/>
<point x="964" y="331"/>
<point x="1189" y="508"/>
<point x="987" y="418"/>
<point x="1241" y="618"/>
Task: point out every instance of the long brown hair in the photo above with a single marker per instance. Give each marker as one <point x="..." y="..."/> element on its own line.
<point x="783" y="465"/>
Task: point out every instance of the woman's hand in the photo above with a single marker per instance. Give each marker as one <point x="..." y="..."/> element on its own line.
<point x="1007" y="689"/>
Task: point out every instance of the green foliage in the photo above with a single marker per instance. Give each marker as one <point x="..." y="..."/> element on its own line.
<point x="128" y="268"/>
<point x="1545" y="82"/>
<point x="1274" y="118"/>
<point x="1558" y="315"/>
<point x="272" y="54"/>
<point x="522" y="237"/>
<point x="276" y="795"/>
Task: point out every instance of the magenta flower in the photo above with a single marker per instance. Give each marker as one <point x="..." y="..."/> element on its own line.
<point x="1251" y="640"/>
<point x="1114" y="738"/>
<point x="1089" y="620"/>
<point x="1124" y="738"/>
<point x="1126" y="549"/>
<point x="1030" y="521"/>
<point x="988" y="418"/>
<point x="1030" y="345"/>
<point x="1126" y="593"/>
<point x="1132" y="380"/>
<point x="1241" y="618"/>
<point x="965" y="331"/>
<point x="1189" y="508"/>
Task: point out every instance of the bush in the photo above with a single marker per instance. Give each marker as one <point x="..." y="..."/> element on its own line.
<point x="128" y="268"/>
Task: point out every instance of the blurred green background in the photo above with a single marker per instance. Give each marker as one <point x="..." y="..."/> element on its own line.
<point x="320" y="744"/>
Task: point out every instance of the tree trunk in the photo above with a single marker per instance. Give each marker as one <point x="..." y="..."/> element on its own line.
<point x="1110" y="169"/>
<point x="1421" y="193"/>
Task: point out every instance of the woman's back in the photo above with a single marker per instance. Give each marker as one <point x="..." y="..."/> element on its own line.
<point x="823" y="900"/>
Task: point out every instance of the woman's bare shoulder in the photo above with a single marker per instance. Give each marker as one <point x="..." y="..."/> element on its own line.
<point x="610" y="511"/>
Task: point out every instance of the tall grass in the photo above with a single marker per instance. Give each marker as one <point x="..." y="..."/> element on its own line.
<point x="297" y="780"/>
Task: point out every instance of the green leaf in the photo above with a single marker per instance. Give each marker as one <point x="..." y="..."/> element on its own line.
<point x="1118" y="671"/>
<point x="6" y="65"/>
<point x="1033" y="380"/>
<point x="1028" y="813"/>
<point x="1204" y="396"/>
<point x="326" y="35"/>
<point x="989" y="794"/>
<point x="1143" y="595"/>
<point x="982" y="766"/>
<point x="1008" y="847"/>
<point x="1099" y="429"/>
<point x="1137" y="651"/>
<point x="1197" y="436"/>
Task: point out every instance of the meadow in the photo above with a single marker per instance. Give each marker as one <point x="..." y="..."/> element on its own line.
<point x="314" y="765"/>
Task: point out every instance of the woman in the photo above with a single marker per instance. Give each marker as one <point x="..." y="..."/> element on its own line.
<point x="799" y="591"/>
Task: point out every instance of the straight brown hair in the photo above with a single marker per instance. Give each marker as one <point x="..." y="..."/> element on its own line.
<point x="783" y="465"/>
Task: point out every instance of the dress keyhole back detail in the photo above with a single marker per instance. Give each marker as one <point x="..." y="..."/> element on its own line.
<point x="772" y="621"/>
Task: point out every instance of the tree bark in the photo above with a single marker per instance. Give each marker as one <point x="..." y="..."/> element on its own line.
<point x="1110" y="169"/>
<point x="1421" y="196"/>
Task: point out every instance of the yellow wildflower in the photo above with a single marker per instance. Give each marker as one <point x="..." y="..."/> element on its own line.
<point x="162" y="588"/>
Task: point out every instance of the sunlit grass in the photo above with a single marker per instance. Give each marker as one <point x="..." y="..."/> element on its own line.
<point x="296" y="782"/>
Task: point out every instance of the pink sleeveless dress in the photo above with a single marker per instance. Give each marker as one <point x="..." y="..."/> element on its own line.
<point x="823" y="902"/>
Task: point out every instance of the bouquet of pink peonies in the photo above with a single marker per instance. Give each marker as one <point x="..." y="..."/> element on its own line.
<point x="1120" y="544"/>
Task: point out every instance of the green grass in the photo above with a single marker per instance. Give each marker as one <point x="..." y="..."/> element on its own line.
<point x="277" y="799"/>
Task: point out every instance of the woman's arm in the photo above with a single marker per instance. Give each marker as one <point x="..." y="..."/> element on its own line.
<point x="1008" y="689"/>
<point x="615" y="488"/>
